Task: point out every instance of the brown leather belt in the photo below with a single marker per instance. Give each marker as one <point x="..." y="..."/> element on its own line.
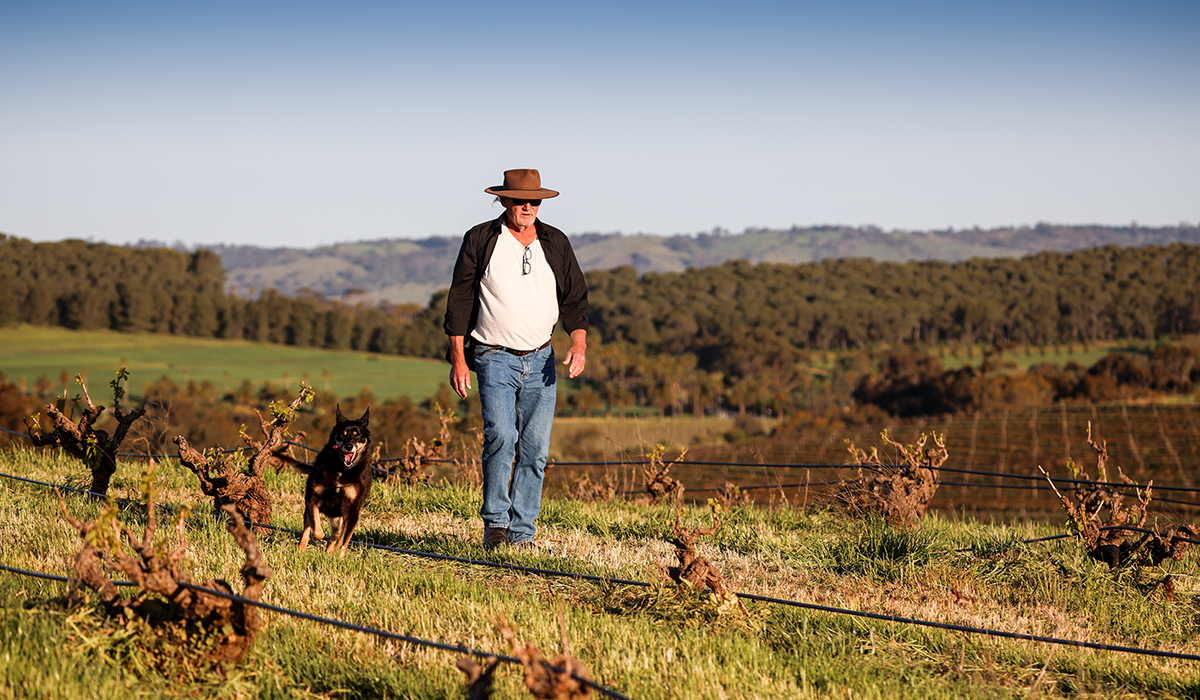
<point x="510" y="351"/>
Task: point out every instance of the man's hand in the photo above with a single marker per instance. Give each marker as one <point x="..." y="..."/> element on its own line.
<point x="577" y="355"/>
<point x="460" y="375"/>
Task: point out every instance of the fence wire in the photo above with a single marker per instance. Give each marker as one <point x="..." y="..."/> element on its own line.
<point x="767" y="465"/>
<point x="766" y="599"/>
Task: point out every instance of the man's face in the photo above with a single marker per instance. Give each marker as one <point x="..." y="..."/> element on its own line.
<point x="521" y="212"/>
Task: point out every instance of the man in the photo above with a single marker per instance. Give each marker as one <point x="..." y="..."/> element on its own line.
<point x="514" y="278"/>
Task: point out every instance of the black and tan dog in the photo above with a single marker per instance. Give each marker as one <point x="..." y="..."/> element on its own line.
<point x="339" y="483"/>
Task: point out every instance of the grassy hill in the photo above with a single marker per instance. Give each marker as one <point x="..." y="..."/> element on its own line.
<point x="409" y="271"/>
<point x="646" y="642"/>
<point x="27" y="352"/>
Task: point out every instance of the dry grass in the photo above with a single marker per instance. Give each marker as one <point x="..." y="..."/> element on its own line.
<point x="612" y="438"/>
<point x="649" y="642"/>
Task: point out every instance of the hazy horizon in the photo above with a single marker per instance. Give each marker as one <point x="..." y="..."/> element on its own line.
<point x="302" y="125"/>
<point x="183" y="245"/>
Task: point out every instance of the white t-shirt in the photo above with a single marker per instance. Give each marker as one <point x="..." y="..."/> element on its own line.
<point x="516" y="310"/>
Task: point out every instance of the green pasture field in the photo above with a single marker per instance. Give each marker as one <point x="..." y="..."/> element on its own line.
<point x="1019" y="357"/>
<point x="29" y="351"/>
<point x="648" y="643"/>
<point x="1022" y="357"/>
<point x="1026" y="356"/>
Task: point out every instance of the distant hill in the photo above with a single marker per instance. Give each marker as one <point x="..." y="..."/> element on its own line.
<point x="409" y="271"/>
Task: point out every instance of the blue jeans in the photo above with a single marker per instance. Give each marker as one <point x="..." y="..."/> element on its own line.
<point x="518" y="395"/>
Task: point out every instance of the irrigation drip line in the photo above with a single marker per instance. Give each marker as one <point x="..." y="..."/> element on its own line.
<point x="973" y="630"/>
<point x="174" y="456"/>
<point x="750" y="488"/>
<point x="1106" y="527"/>
<point x="786" y="465"/>
<point x="120" y="454"/>
<point x="1028" y="477"/>
<point x="178" y="456"/>
<point x="418" y="641"/>
<point x="35" y="574"/>
<point x="516" y="567"/>
<point x="1031" y="477"/>
<point x="462" y="649"/>
<point x="52" y="577"/>
<point x="700" y="490"/>
<point x="785" y="601"/>
<point x="1132" y="528"/>
<point x="1065" y="488"/>
<point x="852" y="481"/>
<point x="389" y="460"/>
<point x="59" y="486"/>
<point x="1036" y="487"/>
<point x="771" y="465"/>
<point x="361" y="543"/>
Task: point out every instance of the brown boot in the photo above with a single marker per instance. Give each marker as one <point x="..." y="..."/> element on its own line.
<point x="493" y="537"/>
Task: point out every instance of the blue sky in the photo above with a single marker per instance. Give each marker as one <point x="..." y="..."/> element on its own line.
<point x="302" y="124"/>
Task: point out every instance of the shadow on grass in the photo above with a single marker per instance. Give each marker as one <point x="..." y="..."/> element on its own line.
<point x="449" y="546"/>
<point x="431" y="543"/>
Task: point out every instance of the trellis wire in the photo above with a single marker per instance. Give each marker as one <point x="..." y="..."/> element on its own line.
<point x="780" y="601"/>
<point x="772" y="465"/>
<point x="1023" y="477"/>
<point x="757" y="487"/>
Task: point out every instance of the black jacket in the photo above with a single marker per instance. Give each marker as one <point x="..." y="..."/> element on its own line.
<point x="462" y="305"/>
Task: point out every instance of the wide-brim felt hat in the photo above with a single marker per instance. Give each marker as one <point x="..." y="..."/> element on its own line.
<point x="522" y="184"/>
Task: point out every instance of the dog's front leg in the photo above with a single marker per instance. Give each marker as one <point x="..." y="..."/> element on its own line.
<point x="349" y="522"/>
<point x="312" y="525"/>
<point x="336" y="525"/>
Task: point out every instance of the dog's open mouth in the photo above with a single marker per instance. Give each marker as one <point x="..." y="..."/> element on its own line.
<point x="350" y="453"/>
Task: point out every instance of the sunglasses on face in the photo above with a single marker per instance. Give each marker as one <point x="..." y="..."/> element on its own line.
<point x="530" y="202"/>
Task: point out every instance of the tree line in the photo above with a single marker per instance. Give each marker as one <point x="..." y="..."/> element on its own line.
<point x="723" y="313"/>
<point x="82" y="285"/>
<point x="909" y="383"/>
<point x="412" y="269"/>
<point x="741" y="335"/>
<point x="733" y="336"/>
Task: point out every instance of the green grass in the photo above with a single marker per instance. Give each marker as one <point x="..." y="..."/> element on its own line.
<point x="29" y="351"/>
<point x="648" y="643"/>
<point x="1019" y="358"/>
<point x="1022" y="357"/>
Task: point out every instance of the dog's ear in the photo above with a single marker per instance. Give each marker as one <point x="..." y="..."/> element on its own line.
<point x="366" y="417"/>
<point x="340" y="418"/>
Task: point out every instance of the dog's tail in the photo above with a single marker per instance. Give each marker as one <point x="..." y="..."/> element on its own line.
<point x="284" y="455"/>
